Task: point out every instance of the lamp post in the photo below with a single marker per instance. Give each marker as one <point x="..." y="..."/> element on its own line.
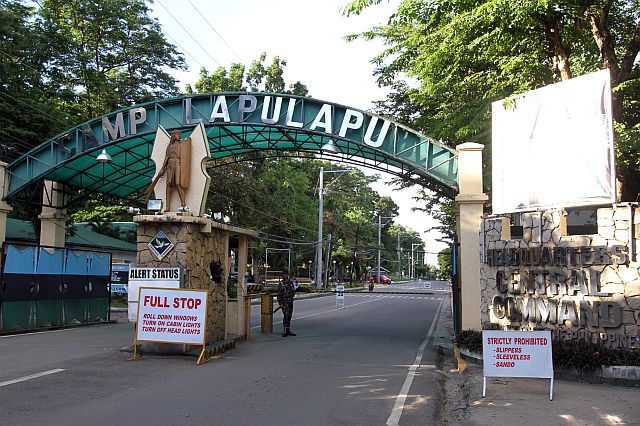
<point x="310" y="262"/>
<point x="413" y="265"/>
<point x="319" y="283"/>
<point x="380" y="243"/>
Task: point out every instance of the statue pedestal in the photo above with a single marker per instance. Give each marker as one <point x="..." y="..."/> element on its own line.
<point x="199" y="243"/>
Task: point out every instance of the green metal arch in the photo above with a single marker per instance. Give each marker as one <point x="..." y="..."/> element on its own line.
<point x="238" y="125"/>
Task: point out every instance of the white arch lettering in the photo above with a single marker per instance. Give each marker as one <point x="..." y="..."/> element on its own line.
<point x="264" y="117"/>
<point x="347" y="124"/>
<point x="243" y="107"/>
<point x="115" y="132"/>
<point x="220" y="110"/>
<point x="381" y="136"/>
<point x="290" y="122"/>
<point x="323" y="119"/>
<point x="136" y="116"/>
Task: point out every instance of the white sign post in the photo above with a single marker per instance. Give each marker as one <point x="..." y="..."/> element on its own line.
<point x="517" y="354"/>
<point x="171" y="316"/>
<point x="339" y="295"/>
<point x="149" y="277"/>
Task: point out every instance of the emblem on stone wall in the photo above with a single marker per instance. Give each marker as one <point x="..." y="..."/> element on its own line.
<point x="160" y="245"/>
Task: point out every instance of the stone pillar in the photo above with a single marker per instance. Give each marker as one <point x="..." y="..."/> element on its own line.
<point x="470" y="201"/>
<point x="198" y="243"/>
<point x="241" y="262"/>
<point x="5" y="208"/>
<point x="53" y="219"/>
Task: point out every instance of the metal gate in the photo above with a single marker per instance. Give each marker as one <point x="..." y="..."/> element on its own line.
<point x="44" y="287"/>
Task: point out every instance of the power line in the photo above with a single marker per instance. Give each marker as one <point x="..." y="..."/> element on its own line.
<point x="184" y="50"/>
<point x="30" y="106"/>
<point x="188" y="33"/>
<point x="262" y="213"/>
<point x="214" y="30"/>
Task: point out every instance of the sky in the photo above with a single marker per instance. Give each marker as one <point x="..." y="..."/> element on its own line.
<point x="309" y="36"/>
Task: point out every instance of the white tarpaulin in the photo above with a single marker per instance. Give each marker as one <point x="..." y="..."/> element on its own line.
<point x="554" y="146"/>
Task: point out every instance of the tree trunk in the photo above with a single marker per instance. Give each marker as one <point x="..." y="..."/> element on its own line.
<point x="559" y="53"/>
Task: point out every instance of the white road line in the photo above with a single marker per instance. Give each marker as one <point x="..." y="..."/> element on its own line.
<point x="33" y="376"/>
<point x="320" y="313"/>
<point x="394" y="418"/>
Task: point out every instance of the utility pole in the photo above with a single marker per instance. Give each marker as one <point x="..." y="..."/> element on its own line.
<point x="380" y="243"/>
<point x="327" y="259"/>
<point x="319" y="276"/>
<point x="413" y="267"/>
<point x="398" y="253"/>
<point x="319" y="283"/>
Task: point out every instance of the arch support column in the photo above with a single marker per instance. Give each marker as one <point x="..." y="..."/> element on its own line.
<point x="243" y="299"/>
<point x="53" y="219"/>
<point x="471" y="201"/>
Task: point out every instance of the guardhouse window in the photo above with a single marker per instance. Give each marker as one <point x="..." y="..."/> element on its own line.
<point x="582" y="220"/>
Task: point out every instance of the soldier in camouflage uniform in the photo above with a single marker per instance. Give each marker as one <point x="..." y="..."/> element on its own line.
<point x="286" y="292"/>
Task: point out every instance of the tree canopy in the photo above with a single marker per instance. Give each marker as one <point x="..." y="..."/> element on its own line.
<point x="466" y="54"/>
<point x="64" y="62"/>
<point x="259" y="77"/>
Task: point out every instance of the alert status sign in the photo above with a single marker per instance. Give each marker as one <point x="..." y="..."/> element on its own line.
<point x="149" y="277"/>
<point x="172" y="316"/>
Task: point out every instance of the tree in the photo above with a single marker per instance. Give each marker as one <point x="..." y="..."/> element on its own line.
<point x="445" y="264"/>
<point x="114" y="54"/>
<point x="467" y="54"/>
<point x="64" y="62"/>
<point x="259" y="77"/>
<point x="28" y="103"/>
<point x="221" y="80"/>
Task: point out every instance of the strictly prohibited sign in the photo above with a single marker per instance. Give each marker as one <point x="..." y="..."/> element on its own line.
<point x="172" y="315"/>
<point x="517" y="354"/>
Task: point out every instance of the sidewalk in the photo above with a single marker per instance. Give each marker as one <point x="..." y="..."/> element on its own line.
<point x="520" y="401"/>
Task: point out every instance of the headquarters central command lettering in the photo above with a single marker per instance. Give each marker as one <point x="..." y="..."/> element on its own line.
<point x="154" y="274"/>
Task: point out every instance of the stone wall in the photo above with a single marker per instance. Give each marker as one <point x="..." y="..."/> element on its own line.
<point x="198" y="243"/>
<point x="582" y="287"/>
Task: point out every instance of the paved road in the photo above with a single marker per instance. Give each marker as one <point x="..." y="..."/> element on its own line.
<point x="350" y="366"/>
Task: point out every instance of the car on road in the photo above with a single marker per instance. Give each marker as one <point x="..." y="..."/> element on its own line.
<point x="383" y="279"/>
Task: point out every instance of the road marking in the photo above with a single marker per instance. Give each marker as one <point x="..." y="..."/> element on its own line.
<point x="396" y="412"/>
<point x="33" y="376"/>
<point x="36" y="332"/>
<point x="323" y="312"/>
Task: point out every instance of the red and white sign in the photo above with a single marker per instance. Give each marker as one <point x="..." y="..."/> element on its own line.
<point x="517" y="354"/>
<point x="172" y="316"/>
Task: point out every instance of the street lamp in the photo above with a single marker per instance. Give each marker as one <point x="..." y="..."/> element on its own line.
<point x="413" y="264"/>
<point x="319" y="281"/>
<point x="380" y="225"/>
<point x="310" y="262"/>
<point x="103" y="157"/>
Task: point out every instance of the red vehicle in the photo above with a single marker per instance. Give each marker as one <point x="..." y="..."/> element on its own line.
<point x="383" y="279"/>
